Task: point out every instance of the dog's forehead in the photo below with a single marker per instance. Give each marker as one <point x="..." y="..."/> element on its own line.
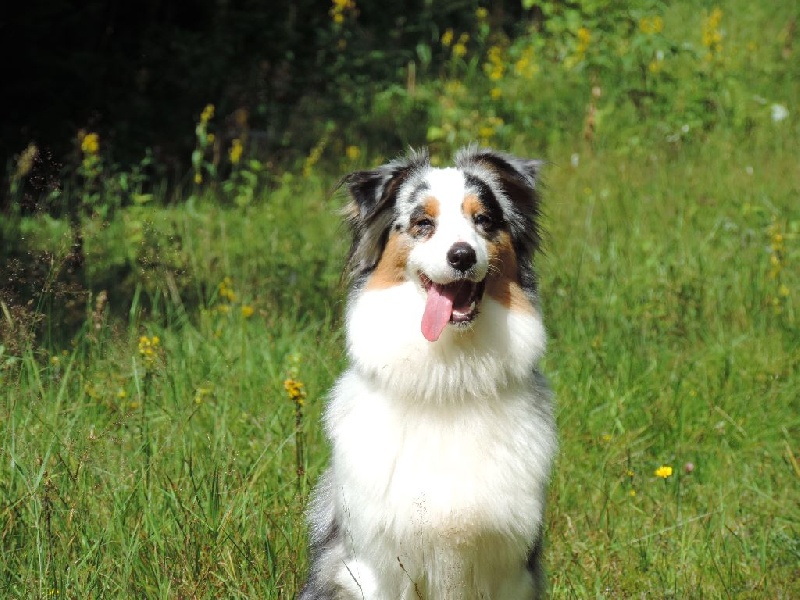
<point x="446" y="185"/>
<point x="447" y="188"/>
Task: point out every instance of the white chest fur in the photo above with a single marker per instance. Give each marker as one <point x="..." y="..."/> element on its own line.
<point x="452" y="470"/>
<point x="434" y="496"/>
<point x="441" y="452"/>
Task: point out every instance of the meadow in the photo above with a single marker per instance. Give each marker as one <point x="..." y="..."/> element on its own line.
<point x="164" y="442"/>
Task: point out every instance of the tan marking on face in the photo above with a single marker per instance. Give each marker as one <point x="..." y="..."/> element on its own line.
<point x="391" y="268"/>
<point x="501" y="282"/>
<point x="431" y="206"/>
<point x="471" y="206"/>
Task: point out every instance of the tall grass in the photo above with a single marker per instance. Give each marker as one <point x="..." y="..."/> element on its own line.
<point x="674" y="341"/>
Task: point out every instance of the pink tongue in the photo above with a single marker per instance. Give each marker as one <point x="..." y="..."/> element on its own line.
<point x="438" y="310"/>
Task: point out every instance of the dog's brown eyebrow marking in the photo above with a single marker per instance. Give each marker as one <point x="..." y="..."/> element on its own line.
<point x="431" y="206"/>
<point x="471" y="205"/>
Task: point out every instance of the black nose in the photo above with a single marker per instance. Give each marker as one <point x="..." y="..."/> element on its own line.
<point x="461" y="256"/>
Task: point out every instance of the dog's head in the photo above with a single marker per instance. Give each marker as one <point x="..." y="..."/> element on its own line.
<point x="456" y="233"/>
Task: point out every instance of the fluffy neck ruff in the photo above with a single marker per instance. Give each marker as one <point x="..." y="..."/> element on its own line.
<point x="499" y="349"/>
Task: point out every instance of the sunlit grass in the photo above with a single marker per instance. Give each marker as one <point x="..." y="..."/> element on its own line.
<point x="170" y="469"/>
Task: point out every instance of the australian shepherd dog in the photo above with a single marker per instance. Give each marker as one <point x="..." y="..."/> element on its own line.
<point x="441" y="428"/>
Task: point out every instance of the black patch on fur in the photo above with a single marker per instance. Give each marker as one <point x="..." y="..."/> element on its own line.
<point x="517" y="178"/>
<point x="316" y="588"/>
<point x="488" y="200"/>
<point x="417" y="214"/>
<point x="535" y="566"/>
<point x="421" y="187"/>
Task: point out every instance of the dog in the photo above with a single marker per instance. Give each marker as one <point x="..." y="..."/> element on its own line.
<point x="442" y="427"/>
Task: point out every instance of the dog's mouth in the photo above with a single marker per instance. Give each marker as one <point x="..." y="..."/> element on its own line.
<point x="455" y="302"/>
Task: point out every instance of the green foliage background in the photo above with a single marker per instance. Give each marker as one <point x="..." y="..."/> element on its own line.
<point x="170" y="308"/>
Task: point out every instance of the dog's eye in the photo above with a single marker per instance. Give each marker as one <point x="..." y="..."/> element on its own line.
<point x="484" y="222"/>
<point x="422" y="227"/>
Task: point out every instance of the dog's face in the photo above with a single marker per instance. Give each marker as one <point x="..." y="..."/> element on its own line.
<point x="457" y="234"/>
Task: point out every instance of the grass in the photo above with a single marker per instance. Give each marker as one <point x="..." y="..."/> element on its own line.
<point x="177" y="476"/>
<point x="670" y="286"/>
<point x="672" y="345"/>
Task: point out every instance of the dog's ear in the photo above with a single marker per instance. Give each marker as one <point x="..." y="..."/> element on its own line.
<point x="373" y="191"/>
<point x="517" y="177"/>
<point x="370" y="211"/>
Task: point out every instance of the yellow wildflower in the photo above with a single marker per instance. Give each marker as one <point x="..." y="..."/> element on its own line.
<point x="447" y="38"/>
<point x="481" y="13"/>
<point x="651" y="25"/>
<point x="236" y="150"/>
<point x="655" y="66"/>
<point x="712" y="35"/>
<point x="295" y="389"/>
<point x="496" y="93"/>
<point x="663" y="472"/>
<point x="460" y="50"/>
<point x="207" y="114"/>
<point x="226" y="291"/>
<point x="200" y="394"/>
<point x="454" y="88"/>
<point x="198" y="178"/>
<point x="148" y="348"/>
<point x="776" y="256"/>
<point x="247" y="311"/>
<point x="584" y="37"/>
<point x="495" y="66"/>
<point x="90" y="144"/>
<point x="526" y="66"/>
<point x="339" y="8"/>
<point x="121" y="393"/>
<point x="352" y="152"/>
